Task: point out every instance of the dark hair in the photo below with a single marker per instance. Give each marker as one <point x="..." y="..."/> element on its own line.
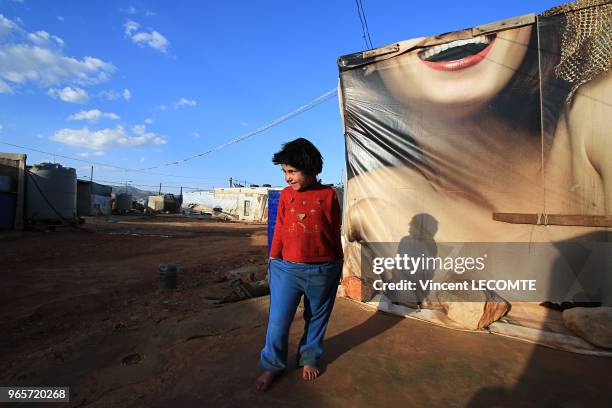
<point x="301" y="154"/>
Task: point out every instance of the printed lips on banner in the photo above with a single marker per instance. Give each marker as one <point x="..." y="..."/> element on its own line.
<point x="458" y="54"/>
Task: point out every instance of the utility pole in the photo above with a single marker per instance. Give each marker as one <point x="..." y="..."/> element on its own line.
<point x="91" y="175"/>
<point x="159" y="189"/>
<point x="230" y="180"/>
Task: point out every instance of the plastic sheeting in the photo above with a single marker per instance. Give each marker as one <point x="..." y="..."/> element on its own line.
<point x="477" y="137"/>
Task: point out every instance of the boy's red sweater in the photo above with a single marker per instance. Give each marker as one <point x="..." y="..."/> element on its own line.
<point x="308" y="226"/>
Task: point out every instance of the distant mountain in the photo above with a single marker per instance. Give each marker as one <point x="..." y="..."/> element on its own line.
<point x="135" y="192"/>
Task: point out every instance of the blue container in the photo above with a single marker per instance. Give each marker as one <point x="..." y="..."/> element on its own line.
<point x="273" y="198"/>
<point x="8" y="203"/>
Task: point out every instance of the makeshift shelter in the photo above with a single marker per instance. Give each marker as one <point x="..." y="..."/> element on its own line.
<point x="484" y="155"/>
<point x="12" y="190"/>
<point x="167" y="202"/>
<point x="236" y="203"/>
<point x="93" y="198"/>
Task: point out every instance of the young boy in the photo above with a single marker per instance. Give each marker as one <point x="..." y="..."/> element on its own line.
<point x="305" y="259"/>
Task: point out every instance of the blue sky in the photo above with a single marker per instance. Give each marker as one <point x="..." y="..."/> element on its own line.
<point x="137" y="84"/>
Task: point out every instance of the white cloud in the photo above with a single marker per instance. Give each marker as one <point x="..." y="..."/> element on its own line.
<point x="5" y="88"/>
<point x="110" y="95"/>
<point x="151" y="38"/>
<point x="90" y="115"/>
<point x="105" y="139"/>
<point x="148" y="121"/>
<point x="113" y="95"/>
<point x="38" y="58"/>
<point x="93" y="115"/>
<point x="141" y="159"/>
<point x="195" y="135"/>
<point x="7" y="27"/>
<point x="130" y="27"/>
<point x="163" y="107"/>
<point x="43" y="38"/>
<point x="87" y="154"/>
<point x="139" y="129"/>
<point x="20" y="63"/>
<point x="60" y="18"/>
<point x="69" y="94"/>
<point x="244" y="124"/>
<point x="133" y="10"/>
<point x="184" y="102"/>
<point x="129" y="10"/>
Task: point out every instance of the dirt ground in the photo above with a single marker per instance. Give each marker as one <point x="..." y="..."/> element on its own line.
<point x="80" y="308"/>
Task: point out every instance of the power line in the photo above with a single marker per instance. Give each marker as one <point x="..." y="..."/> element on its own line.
<point x="105" y="164"/>
<point x="364" y="24"/>
<point x="120" y="183"/>
<point x="365" y="20"/>
<point x="143" y="184"/>
<point x="153" y="187"/>
<point x="317" y="101"/>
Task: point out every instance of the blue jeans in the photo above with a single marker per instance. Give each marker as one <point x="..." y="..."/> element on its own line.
<point x="288" y="282"/>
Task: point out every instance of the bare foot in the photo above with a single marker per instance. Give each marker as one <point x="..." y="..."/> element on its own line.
<point x="264" y="380"/>
<point x="310" y="372"/>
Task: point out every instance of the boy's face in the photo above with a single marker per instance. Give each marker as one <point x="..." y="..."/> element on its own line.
<point x="296" y="178"/>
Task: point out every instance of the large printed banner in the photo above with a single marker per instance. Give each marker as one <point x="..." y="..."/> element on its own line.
<point x="495" y="139"/>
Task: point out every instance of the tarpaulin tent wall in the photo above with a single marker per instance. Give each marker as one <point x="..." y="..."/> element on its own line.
<point x="493" y="140"/>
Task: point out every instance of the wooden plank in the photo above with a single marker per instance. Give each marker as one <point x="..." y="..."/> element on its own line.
<point x="513" y="22"/>
<point x="578" y="220"/>
<point x="20" y="194"/>
<point x="376" y="52"/>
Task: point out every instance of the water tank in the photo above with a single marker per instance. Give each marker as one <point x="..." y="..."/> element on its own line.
<point x="51" y="192"/>
<point x="124" y="202"/>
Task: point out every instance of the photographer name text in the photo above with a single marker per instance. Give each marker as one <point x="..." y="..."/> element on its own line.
<point x="479" y="284"/>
